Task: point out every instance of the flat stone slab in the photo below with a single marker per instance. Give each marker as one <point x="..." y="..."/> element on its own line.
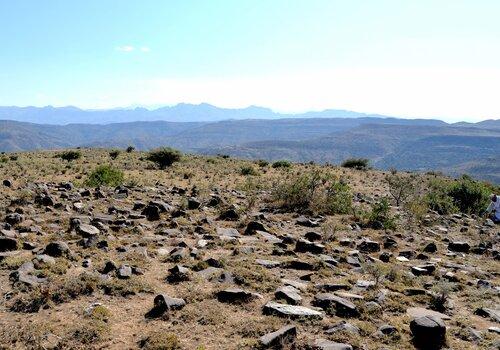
<point x="284" y="310"/>
<point x="416" y="312"/>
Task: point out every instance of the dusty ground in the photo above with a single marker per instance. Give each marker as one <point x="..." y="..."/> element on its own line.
<point x="64" y="318"/>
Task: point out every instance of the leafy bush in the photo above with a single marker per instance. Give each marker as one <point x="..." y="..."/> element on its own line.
<point x="469" y="196"/>
<point x="105" y="175"/>
<point x="313" y="191"/>
<point x="114" y="153"/>
<point x="262" y="163"/>
<point x="130" y="149"/>
<point x="437" y="197"/>
<point x="70" y="155"/>
<point x="164" y="156"/>
<point x="465" y="195"/>
<point x="381" y="217"/>
<point x="356" y="163"/>
<point x="282" y="164"/>
<point x="248" y="170"/>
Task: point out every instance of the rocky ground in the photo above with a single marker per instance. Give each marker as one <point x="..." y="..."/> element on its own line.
<point x="197" y="257"/>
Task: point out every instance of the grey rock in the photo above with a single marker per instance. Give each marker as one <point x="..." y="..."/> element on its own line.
<point x="285" y="310"/>
<point x="289" y="294"/>
<point x="282" y="337"/>
<point x="428" y="332"/>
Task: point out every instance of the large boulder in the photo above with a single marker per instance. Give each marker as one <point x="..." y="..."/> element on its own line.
<point x="428" y="332"/>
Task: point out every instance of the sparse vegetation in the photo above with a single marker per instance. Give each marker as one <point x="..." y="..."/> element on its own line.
<point x="380" y="216"/>
<point x="164" y="157"/>
<point x="70" y="155"/>
<point x="248" y="170"/>
<point x="356" y="163"/>
<point x="113" y="154"/>
<point x="282" y="164"/>
<point x="105" y="175"/>
<point x="313" y="191"/>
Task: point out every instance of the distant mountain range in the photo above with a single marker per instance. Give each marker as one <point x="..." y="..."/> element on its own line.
<point x="182" y="112"/>
<point x="254" y="132"/>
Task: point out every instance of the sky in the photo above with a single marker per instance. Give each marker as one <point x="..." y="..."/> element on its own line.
<point x="408" y="58"/>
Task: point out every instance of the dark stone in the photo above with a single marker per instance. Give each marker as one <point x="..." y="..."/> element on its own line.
<point x="236" y="295"/>
<point x="151" y="212"/>
<point x="7" y="244"/>
<point x="430" y="248"/>
<point x="368" y="246"/>
<point x="385" y="257"/>
<point x="178" y="273"/>
<point x="229" y="215"/>
<point x="14" y="218"/>
<point x="305" y="246"/>
<point x="461" y="247"/>
<point x="313" y="236"/>
<point x="254" y="226"/>
<point x="423" y="270"/>
<point x="193" y="203"/>
<point x="428" y="332"/>
<point x="57" y="249"/>
<point x="163" y="304"/>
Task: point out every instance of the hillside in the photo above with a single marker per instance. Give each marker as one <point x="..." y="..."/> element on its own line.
<point x="208" y="255"/>
<point x="388" y="142"/>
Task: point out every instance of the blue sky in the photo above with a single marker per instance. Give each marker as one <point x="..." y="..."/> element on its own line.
<point x="421" y="58"/>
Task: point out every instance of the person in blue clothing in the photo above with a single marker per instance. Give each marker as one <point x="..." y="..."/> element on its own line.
<point x="493" y="209"/>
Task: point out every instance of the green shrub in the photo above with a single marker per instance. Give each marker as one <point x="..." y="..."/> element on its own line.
<point x="381" y="217"/>
<point x="164" y="156"/>
<point x="469" y="196"/>
<point x="130" y="149"/>
<point x="313" y="191"/>
<point x="262" y="163"/>
<point x="161" y="340"/>
<point x="437" y="197"/>
<point x="465" y="195"/>
<point x="282" y="164"/>
<point x="114" y="153"/>
<point x="356" y="163"/>
<point x="70" y="155"/>
<point x="105" y="175"/>
<point x="248" y="170"/>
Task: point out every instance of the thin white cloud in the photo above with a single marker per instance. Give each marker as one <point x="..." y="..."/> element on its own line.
<point x="145" y="49"/>
<point x="125" y="48"/>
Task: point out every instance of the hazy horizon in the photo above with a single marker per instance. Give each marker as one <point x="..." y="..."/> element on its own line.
<point x="406" y="59"/>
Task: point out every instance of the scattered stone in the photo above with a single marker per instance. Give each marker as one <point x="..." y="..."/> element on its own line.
<point x="8" y="244"/>
<point x="335" y="305"/>
<point x="163" y="304"/>
<point x="368" y="246"/>
<point x="57" y="249"/>
<point x="428" y="332"/>
<point x="289" y="294"/>
<point x="282" y="337"/>
<point x="236" y="295"/>
<point x="323" y="344"/>
<point x="124" y="272"/>
<point x="461" y="247"/>
<point x="292" y="311"/>
<point x="305" y="246"/>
